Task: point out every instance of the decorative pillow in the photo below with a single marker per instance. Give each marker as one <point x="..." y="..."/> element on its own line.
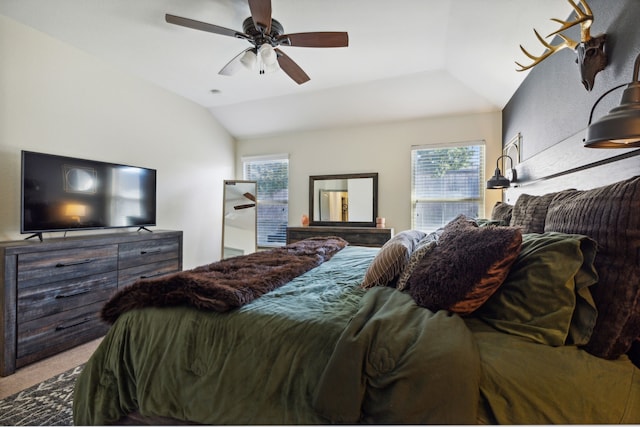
<point x="426" y="245"/>
<point x="611" y="216"/>
<point x="530" y="212"/>
<point x="546" y="295"/>
<point x="466" y="267"/>
<point x="502" y="212"/>
<point x="392" y="258"/>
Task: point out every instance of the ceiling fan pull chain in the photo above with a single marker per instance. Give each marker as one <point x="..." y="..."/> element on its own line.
<point x="260" y="62"/>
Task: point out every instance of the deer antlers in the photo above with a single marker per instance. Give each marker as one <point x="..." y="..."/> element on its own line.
<point x="585" y="19"/>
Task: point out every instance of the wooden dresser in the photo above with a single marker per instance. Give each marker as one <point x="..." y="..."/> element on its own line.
<point x="357" y="236"/>
<point x="51" y="292"/>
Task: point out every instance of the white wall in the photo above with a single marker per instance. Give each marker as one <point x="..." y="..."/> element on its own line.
<point x="360" y="195"/>
<point x="56" y="99"/>
<point x="384" y="148"/>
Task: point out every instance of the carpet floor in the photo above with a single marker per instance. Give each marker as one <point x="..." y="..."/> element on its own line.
<point x="49" y="403"/>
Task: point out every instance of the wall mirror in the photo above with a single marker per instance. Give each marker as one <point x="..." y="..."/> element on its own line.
<point x="239" y="221"/>
<point x="348" y="200"/>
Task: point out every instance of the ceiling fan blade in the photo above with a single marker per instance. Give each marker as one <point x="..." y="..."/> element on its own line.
<point x="234" y="65"/>
<point x="316" y="39"/>
<point x="292" y="69"/>
<point x="203" y="26"/>
<point x="245" y="206"/>
<point x="261" y="14"/>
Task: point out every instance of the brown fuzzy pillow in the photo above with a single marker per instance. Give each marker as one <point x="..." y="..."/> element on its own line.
<point x="467" y="266"/>
<point x="610" y="215"/>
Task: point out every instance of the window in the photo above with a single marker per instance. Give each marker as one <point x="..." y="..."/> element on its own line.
<point x="446" y="181"/>
<point x="272" y="176"/>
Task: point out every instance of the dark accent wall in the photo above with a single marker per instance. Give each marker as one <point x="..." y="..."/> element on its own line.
<point x="551" y="104"/>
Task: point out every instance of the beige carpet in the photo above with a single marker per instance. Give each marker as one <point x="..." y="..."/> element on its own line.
<point x="35" y="373"/>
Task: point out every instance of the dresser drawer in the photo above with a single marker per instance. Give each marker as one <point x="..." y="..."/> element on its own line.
<point x="39" y="267"/>
<point x="51" y="334"/>
<point x="147" y="271"/>
<point x="56" y="297"/>
<point x="148" y="251"/>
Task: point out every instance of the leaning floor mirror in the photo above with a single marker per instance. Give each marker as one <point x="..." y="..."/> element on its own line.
<point x="239" y="221"/>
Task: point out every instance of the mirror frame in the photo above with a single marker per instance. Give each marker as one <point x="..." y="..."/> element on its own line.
<point x="314" y="178"/>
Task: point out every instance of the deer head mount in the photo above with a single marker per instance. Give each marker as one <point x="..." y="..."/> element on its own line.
<point x="591" y="55"/>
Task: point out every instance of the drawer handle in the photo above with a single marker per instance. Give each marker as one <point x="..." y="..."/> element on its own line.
<point x="155" y="251"/>
<point x="73" y="293"/>
<point x="72" y="324"/>
<point x="69" y="264"/>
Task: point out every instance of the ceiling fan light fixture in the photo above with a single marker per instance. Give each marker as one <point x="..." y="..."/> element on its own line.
<point x="267" y="59"/>
<point x="266" y="35"/>
<point x="249" y="60"/>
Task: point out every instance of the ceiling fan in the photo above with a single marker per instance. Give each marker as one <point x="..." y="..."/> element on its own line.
<point x="266" y="35"/>
<point x="246" y="205"/>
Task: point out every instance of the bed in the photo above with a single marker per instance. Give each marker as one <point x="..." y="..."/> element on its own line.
<point x="529" y="317"/>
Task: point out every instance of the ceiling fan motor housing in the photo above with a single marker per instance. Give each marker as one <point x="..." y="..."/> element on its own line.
<point x="249" y="28"/>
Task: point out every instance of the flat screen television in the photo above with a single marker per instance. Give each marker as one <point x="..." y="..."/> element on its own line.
<point x="64" y="193"/>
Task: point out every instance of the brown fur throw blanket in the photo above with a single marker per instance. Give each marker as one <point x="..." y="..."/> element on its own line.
<point x="227" y="284"/>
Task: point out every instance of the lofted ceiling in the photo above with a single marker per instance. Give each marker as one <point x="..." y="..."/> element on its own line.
<point x="406" y="58"/>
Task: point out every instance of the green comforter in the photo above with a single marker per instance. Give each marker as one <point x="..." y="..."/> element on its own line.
<point x="317" y="350"/>
<point x="273" y="360"/>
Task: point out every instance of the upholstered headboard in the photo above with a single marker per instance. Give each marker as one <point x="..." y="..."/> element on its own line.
<point x="575" y="190"/>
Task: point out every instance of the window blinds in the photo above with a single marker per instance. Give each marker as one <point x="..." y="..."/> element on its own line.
<point x="446" y="181"/>
<point x="272" y="176"/>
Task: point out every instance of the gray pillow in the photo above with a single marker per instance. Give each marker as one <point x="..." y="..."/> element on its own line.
<point x="502" y="212"/>
<point x="530" y="212"/>
<point x="423" y="249"/>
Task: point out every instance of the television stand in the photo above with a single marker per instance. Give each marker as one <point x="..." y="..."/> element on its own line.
<point x="144" y="228"/>
<point x="38" y="235"/>
<point x="51" y="293"/>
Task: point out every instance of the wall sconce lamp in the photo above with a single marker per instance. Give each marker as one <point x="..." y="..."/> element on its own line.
<point x="499" y="181"/>
<point x="621" y="127"/>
